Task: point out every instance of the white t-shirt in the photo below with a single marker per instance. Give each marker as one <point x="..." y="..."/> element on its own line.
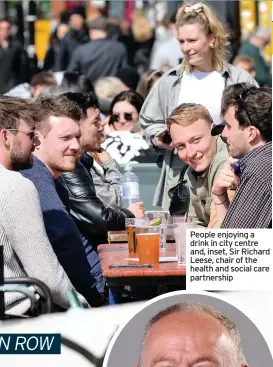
<point x="205" y="89"/>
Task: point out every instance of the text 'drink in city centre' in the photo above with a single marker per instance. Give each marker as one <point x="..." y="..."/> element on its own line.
<point x="229" y="259"/>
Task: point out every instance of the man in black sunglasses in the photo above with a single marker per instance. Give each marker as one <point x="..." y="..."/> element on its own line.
<point x="247" y="130"/>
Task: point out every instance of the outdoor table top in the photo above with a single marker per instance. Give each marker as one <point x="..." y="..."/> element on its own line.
<point x="118" y="254"/>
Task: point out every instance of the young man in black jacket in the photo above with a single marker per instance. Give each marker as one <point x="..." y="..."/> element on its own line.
<point x="91" y="215"/>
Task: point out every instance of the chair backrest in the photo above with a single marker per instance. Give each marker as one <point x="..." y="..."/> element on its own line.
<point x="148" y="174"/>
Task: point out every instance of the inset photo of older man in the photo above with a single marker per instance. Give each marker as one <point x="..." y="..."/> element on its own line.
<point x="189" y="330"/>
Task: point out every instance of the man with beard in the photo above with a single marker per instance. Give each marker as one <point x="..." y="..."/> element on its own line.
<point x="59" y="133"/>
<point x="27" y="250"/>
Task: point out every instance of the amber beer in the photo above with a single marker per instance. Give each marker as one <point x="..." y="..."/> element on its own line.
<point x="132" y="243"/>
<point x="148" y="248"/>
<point x="130" y="226"/>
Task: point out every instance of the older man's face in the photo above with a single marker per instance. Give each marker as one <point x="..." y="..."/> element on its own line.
<point x="189" y="339"/>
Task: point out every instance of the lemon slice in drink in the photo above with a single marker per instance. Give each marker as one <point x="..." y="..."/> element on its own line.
<point x="156" y="222"/>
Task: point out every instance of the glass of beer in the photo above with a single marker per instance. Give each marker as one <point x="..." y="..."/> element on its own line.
<point x="148" y="244"/>
<point x="130" y="226"/>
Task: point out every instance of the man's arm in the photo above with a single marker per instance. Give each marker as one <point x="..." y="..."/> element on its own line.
<point x="224" y="181"/>
<point x="251" y="206"/>
<point x="64" y="237"/>
<point x="23" y="223"/>
<point x="90" y="210"/>
<point x="123" y="56"/>
<point x="62" y="56"/>
<point x="75" y="62"/>
<point x="109" y="185"/>
<point x="152" y="116"/>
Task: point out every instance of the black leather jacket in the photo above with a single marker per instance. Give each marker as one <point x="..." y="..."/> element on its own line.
<point x="93" y="218"/>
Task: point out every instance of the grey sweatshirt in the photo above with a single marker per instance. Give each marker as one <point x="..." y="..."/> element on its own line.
<point x="27" y="250"/>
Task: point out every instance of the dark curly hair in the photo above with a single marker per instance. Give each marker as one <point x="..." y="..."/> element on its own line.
<point x="253" y="106"/>
<point x="83" y="100"/>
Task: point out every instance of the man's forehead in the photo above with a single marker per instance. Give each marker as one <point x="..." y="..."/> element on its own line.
<point x="198" y="326"/>
<point x="26" y="124"/>
<point x="189" y="316"/>
<point x="93" y="112"/>
<point x="193" y="335"/>
<point x="63" y="124"/>
<point x="230" y="114"/>
<point x="199" y="127"/>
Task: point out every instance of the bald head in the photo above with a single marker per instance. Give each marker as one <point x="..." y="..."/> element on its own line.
<point x="191" y="334"/>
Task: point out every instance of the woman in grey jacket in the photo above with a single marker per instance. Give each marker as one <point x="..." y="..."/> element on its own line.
<point x="201" y="78"/>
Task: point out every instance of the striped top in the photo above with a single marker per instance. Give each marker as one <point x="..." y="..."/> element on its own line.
<point x="27" y="250"/>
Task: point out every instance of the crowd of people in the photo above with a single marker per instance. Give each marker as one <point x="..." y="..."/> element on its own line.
<point x="109" y="96"/>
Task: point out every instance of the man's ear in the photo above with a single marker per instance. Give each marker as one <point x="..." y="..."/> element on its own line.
<point x="39" y="138"/>
<point x="212" y="125"/>
<point x="4" y="137"/>
<point x="253" y="133"/>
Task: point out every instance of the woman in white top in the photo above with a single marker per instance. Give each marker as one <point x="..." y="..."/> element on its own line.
<point x="201" y="78"/>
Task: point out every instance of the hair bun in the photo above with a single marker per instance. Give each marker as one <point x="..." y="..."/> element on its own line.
<point x="196" y="8"/>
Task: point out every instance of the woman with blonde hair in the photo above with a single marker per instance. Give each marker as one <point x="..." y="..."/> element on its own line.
<point x="141" y="28"/>
<point x="201" y="78"/>
<point x="139" y="41"/>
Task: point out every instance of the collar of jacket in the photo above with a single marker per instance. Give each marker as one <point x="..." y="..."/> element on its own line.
<point x="179" y="70"/>
<point x="87" y="160"/>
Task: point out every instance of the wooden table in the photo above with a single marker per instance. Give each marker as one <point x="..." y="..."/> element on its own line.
<point x="165" y="274"/>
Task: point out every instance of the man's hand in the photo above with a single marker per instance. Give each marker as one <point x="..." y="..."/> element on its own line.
<point x="103" y="156"/>
<point x="225" y="180"/>
<point x="137" y="209"/>
<point x="157" y="141"/>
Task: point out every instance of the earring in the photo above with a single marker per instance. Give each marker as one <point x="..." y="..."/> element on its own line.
<point x="211" y="46"/>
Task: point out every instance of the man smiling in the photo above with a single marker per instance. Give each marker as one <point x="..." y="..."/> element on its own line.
<point x="58" y="133"/>
<point x="190" y="128"/>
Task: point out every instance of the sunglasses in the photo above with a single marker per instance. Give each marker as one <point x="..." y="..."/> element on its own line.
<point x="30" y="134"/>
<point x="127" y="116"/>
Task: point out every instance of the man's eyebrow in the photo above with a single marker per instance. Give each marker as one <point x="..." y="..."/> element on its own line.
<point x="206" y="358"/>
<point x="161" y="358"/>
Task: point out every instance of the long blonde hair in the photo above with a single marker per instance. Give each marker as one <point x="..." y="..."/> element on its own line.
<point x="190" y="13"/>
<point x="141" y="28"/>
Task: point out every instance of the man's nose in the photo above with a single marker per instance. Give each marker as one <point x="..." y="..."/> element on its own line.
<point x="101" y="125"/>
<point x="191" y="151"/>
<point x="75" y="145"/>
